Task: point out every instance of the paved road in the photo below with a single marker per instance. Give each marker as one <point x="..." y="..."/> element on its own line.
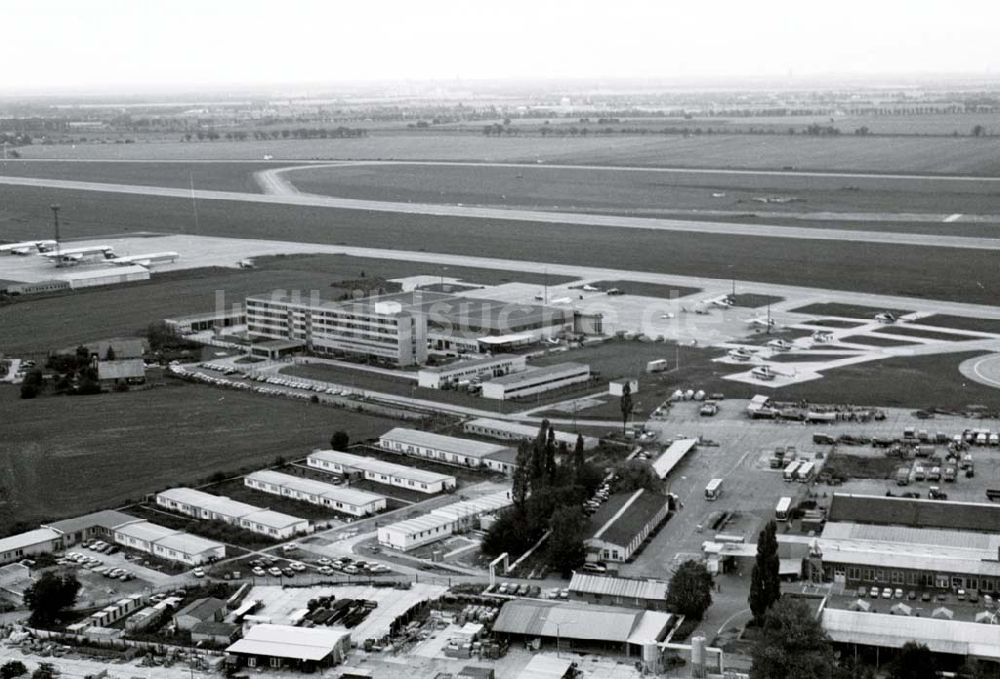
<point x="983" y="369"/>
<point x="536" y="216"/>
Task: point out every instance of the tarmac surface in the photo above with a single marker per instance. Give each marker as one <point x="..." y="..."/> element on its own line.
<point x="536" y="216"/>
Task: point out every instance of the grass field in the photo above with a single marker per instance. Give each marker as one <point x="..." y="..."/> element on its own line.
<point x="875" y="268"/>
<point x="871" y="340"/>
<point x="62" y="456"/>
<point x="845" y="153"/>
<point x="753" y="300"/>
<point x="217" y="176"/>
<point x="963" y="323"/>
<point x="846" y="310"/>
<point x="632" y="192"/>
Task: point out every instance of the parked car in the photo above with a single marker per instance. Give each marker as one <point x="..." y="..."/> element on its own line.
<point x="258" y="571"/>
<point x="898" y="593"/>
<point x="887" y="593"/>
<point x="198" y="572"/>
<point x="274" y="571"/>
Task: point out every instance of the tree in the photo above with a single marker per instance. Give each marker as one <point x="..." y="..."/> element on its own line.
<point x="522" y="475"/>
<point x="626" y="404"/>
<point x="566" y="549"/>
<point x="690" y="590"/>
<point x="579" y="459"/>
<point x="110" y="354"/>
<point x="914" y="661"/>
<point x="978" y="131"/>
<point x="45" y="670"/>
<point x="792" y="644"/>
<point x="765" y="582"/>
<point x="633" y="475"/>
<point x="13" y="668"/>
<point x="340" y="440"/>
<point x="49" y="596"/>
<point x="32" y="384"/>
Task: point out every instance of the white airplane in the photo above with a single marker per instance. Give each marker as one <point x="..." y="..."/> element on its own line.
<point x="667" y="315"/>
<point x="722" y="301"/>
<point x="822" y="337"/>
<point x="590" y="288"/>
<point x="27" y="247"/>
<point x="698" y="308"/>
<point x="561" y="300"/>
<point x="885" y="317"/>
<point x="75" y="255"/>
<point x="552" y="340"/>
<point x="763" y="372"/>
<point x="762" y="322"/>
<point x="780" y="344"/>
<point x="146" y="260"/>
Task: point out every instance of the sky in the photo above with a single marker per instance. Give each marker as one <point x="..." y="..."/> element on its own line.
<point x="108" y="45"/>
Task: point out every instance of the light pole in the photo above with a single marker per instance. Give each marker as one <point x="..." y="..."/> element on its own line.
<point x="55" y="219"/>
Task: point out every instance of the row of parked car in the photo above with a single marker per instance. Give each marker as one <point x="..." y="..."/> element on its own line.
<point x="600" y="497"/>
<point x="522" y="589"/>
<point x="292" y="383"/>
<point x="889" y="593"/>
<point x="95" y="565"/>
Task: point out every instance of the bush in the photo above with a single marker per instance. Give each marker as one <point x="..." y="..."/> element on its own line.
<point x="13" y="668"/>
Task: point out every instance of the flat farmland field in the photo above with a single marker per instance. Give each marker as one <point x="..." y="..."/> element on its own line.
<point x="960" y="155"/>
<point x="845" y="265"/>
<point x="61" y="456"/>
<point x="215" y="176"/>
<point x="651" y="192"/>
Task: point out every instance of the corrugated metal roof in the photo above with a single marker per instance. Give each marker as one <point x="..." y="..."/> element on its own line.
<point x="569" y="620"/>
<point x="986" y="542"/>
<point x="954" y="637"/>
<point x="650" y="628"/>
<point x="585" y="583"/>
<point x="285" y="641"/>
<point x="542" y="372"/>
<point x="380" y="466"/>
<point x="674" y="453"/>
<point x="450" y="444"/>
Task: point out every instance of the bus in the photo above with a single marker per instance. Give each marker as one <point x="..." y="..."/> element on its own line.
<point x="805" y="472"/>
<point x="713" y="491"/>
<point x="790" y="469"/>
<point x="784" y="509"/>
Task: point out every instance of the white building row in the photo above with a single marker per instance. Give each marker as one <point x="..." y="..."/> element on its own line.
<point x="378" y="471"/>
<point x="210" y="507"/>
<point x="536" y="381"/>
<point x="166" y="543"/>
<point x="441" y="522"/>
<point x="339" y="498"/>
<point x="438" y="377"/>
<point x="514" y="431"/>
<point x="437" y="447"/>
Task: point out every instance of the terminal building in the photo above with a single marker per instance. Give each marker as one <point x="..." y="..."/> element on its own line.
<point x="437" y="447"/>
<point x="399" y="328"/>
<point x="201" y="505"/>
<point x="623" y="523"/>
<point x="454" y="374"/>
<point x="503" y="430"/>
<point x="536" y="381"/>
<point x="338" y="498"/>
<point x="378" y="471"/>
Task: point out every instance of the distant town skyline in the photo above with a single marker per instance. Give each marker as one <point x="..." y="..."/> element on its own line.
<point x="117" y="45"/>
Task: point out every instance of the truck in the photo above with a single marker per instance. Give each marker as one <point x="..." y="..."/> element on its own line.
<point x="934" y="493"/>
<point x="949" y="474"/>
<point x="790" y="470"/>
<point x="993" y="494"/>
<point x="657" y="366"/>
<point x="804" y="473"/>
<point x="919" y="473"/>
<point x="903" y="476"/>
<point x="934" y="474"/>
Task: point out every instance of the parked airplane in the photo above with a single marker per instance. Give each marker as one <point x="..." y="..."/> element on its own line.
<point x="561" y="300"/>
<point x="27" y="247"/>
<point x="145" y="260"/>
<point x="740" y="354"/>
<point x="762" y="322"/>
<point x="780" y="344"/>
<point x="73" y="256"/>
<point x="722" y="301"/>
<point x="763" y="372"/>
<point x="885" y="317"/>
<point x="590" y="288"/>
<point x="822" y="337"/>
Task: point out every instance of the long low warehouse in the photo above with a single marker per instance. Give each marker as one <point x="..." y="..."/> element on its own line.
<point x="536" y="381"/>
<point x="446" y="449"/>
<point x="166" y="543"/>
<point x="442" y="522"/>
<point x="441" y="377"/>
<point x="345" y="500"/>
<point x="23" y="545"/>
<point x="347" y="464"/>
<point x="513" y="431"/>
<point x="210" y="507"/>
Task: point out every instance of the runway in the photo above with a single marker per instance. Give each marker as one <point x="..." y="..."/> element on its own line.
<point x="533" y="216"/>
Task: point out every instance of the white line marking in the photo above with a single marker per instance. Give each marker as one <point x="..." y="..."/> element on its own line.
<point x="953" y="218"/>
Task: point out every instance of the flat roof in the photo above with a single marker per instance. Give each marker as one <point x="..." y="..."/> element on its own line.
<point x="451" y="444"/>
<point x="144" y="530"/>
<point x="509" y="338"/>
<point x="203" y="500"/>
<point x="624" y="515"/>
<point x="919" y="513"/>
<point x="273" y="519"/>
<point x="542" y="372"/>
<point x="572" y="620"/>
<point x="472" y="363"/>
<point x="380" y="466"/>
<point x="956" y="637"/>
<point x="449" y="513"/>
<point x="186" y="543"/>
<point x="86" y="275"/>
<point x="328" y="490"/>
<point x="108" y="519"/>
<point x="524" y="430"/>
<point x="672" y="456"/>
<point x="545" y="667"/>
<point x="28" y="539"/>
<point x="285" y="641"/>
<point x="586" y="583"/>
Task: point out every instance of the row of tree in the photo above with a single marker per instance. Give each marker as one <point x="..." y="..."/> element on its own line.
<point x="297" y="133"/>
